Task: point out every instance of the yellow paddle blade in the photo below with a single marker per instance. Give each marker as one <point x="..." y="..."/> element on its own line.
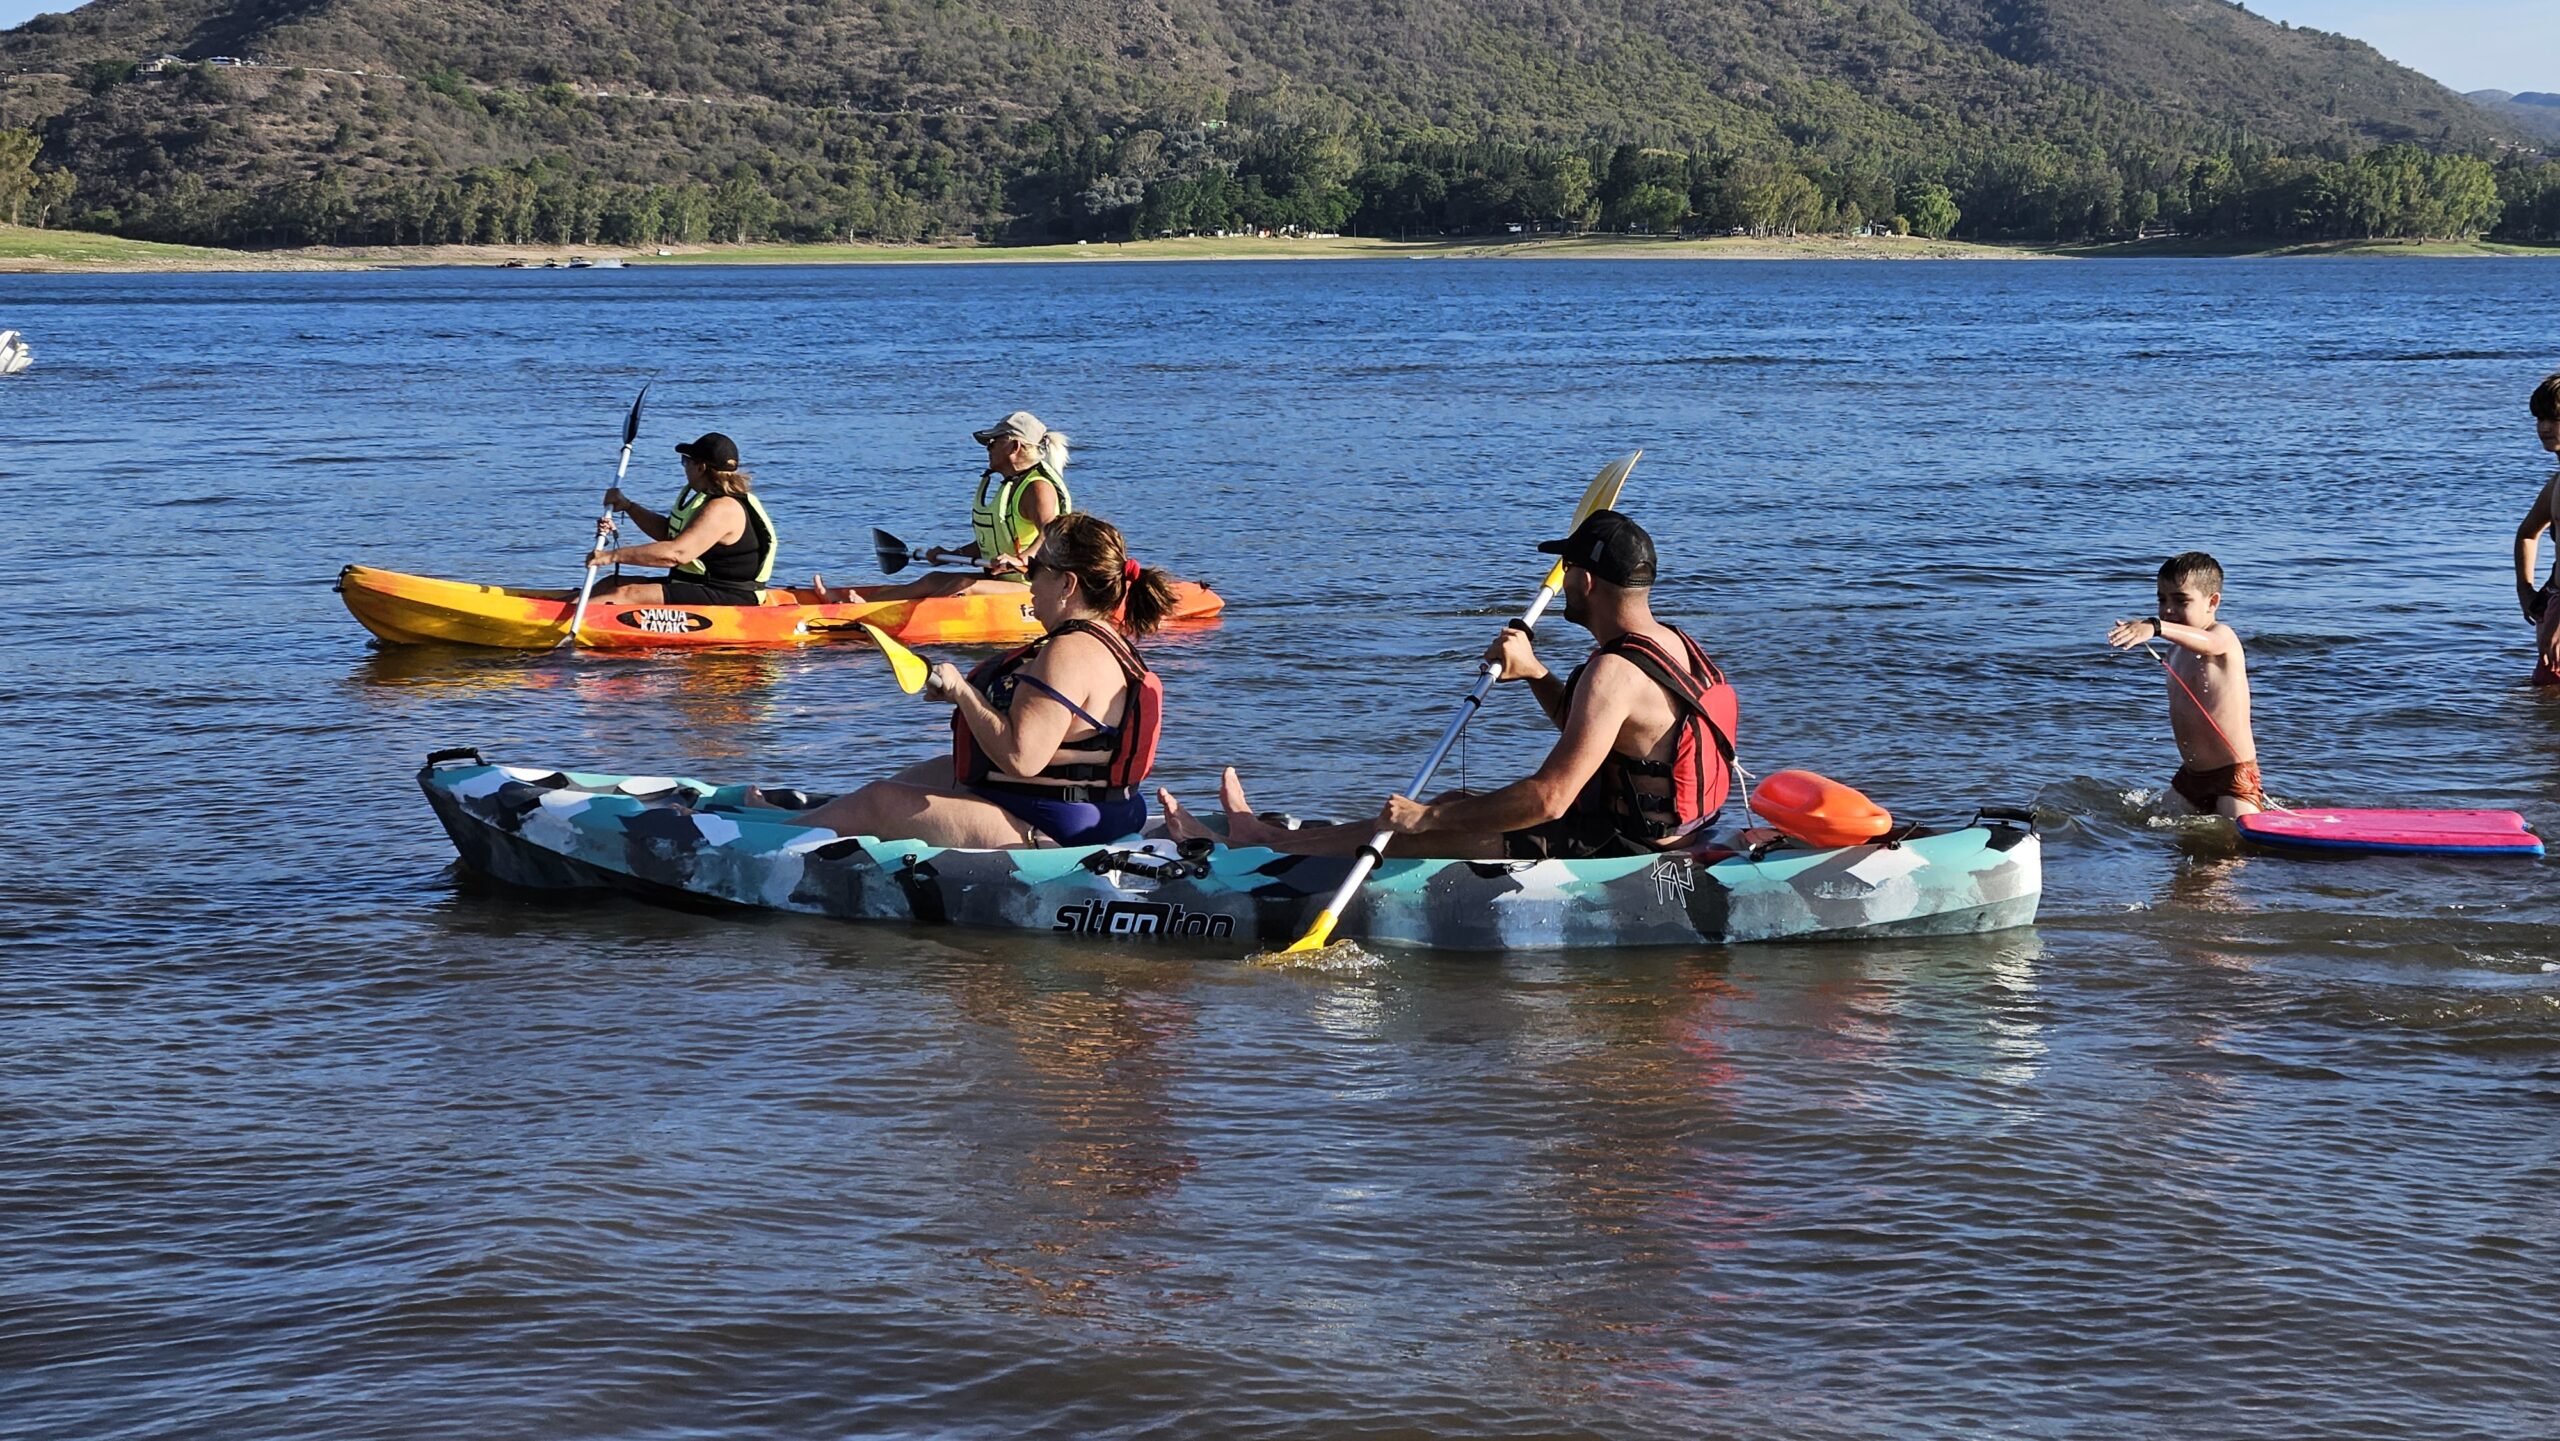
<point x="1341" y="958"/>
<point x="910" y="666"/>
<point x="1317" y="934"/>
<point x="1605" y="486"/>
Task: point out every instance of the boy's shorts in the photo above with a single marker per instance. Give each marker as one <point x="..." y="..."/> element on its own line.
<point x="2202" y="788"/>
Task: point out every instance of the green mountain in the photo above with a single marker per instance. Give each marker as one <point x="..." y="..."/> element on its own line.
<point x="2534" y="113"/>
<point x="623" y="119"/>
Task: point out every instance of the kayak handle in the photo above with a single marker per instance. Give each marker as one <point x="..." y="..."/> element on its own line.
<point x="1192" y="863"/>
<point x="455" y="753"/>
<point x="2016" y="815"/>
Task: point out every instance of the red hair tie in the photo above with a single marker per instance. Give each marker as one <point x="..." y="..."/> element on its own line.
<point x="1129" y="571"/>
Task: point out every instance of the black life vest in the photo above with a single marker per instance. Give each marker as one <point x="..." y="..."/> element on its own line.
<point x="1128" y="750"/>
<point x="1693" y="784"/>
<point x="741" y="564"/>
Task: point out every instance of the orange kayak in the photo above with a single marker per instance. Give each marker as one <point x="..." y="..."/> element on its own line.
<point x="421" y="610"/>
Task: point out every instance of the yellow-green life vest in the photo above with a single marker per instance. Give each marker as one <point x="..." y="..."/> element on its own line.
<point x="997" y="524"/>
<point x="727" y="564"/>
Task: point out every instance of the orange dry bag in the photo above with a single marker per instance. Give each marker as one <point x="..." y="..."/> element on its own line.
<point x="1818" y="810"/>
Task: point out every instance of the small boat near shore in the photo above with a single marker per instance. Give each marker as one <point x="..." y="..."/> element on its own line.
<point x="404" y="609"/>
<point x="690" y="843"/>
<point x="15" y="354"/>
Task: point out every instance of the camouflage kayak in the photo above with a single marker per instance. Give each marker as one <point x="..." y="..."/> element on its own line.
<point x="684" y="841"/>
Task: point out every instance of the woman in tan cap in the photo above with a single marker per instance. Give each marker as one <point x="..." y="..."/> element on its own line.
<point x="1023" y="488"/>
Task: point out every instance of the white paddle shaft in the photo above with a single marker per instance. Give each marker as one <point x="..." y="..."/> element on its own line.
<point x="587" y="587"/>
<point x="1486" y="675"/>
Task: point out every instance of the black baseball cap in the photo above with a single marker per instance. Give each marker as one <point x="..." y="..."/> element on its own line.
<point x="715" y="450"/>
<point x="1610" y="546"/>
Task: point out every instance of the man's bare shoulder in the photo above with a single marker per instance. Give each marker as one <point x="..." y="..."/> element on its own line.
<point x="1610" y="671"/>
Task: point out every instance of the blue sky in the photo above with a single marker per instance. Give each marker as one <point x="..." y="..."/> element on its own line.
<point x="2467" y="44"/>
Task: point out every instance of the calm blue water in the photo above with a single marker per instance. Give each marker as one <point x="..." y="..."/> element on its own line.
<point x="302" y="1134"/>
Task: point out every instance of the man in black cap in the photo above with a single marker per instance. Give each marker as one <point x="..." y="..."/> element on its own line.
<point x="1644" y="762"/>
<point x="717" y="541"/>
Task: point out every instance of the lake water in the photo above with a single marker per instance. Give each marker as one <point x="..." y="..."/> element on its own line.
<point x="302" y="1134"/>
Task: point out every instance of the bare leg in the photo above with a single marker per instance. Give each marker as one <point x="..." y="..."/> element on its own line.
<point x="1244" y="828"/>
<point x="2232" y="807"/>
<point x="919" y="803"/>
<point x="940" y="583"/>
<point x="937" y="815"/>
<point x="627" y="591"/>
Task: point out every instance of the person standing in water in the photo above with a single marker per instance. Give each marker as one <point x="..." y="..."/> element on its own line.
<point x="2208" y="688"/>
<point x="2544" y="514"/>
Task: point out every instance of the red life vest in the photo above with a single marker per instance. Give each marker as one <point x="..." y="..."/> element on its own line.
<point x="1699" y="774"/>
<point x="1129" y="748"/>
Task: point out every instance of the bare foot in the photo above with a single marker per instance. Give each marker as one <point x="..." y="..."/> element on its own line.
<point x="1244" y="828"/>
<point x="1179" y="822"/>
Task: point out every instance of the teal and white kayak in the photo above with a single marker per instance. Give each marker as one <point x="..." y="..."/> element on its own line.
<point x="687" y="842"/>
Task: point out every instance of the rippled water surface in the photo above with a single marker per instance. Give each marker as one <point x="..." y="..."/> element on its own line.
<point x="304" y="1134"/>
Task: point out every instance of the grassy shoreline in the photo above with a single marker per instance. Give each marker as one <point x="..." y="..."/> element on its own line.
<point x="24" y="251"/>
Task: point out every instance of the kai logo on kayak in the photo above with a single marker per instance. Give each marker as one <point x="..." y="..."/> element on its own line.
<point x="1673" y="877"/>
<point x="1134" y="919"/>
<point x="664" y="622"/>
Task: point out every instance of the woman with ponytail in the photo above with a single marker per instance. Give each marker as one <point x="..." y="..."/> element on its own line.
<point x="1050" y="743"/>
<point x="1023" y="488"/>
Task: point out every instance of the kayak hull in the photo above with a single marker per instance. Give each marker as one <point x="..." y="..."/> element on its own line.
<point x="690" y="843"/>
<point x="404" y="609"/>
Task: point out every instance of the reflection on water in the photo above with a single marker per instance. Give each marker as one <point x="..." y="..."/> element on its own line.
<point x="1077" y="1148"/>
<point x="723" y="703"/>
<point x="454" y="668"/>
<point x="2207" y="876"/>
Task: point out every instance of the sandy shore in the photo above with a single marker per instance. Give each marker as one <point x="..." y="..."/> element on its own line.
<point x="76" y="252"/>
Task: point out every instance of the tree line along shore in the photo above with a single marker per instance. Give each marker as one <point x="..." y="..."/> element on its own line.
<point x="1072" y="177"/>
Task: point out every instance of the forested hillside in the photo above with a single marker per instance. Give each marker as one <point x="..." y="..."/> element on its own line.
<point x="2535" y="115"/>
<point x="630" y="121"/>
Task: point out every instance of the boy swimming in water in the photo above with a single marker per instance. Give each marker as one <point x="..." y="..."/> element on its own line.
<point x="2538" y="608"/>
<point x="2208" y="688"/>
